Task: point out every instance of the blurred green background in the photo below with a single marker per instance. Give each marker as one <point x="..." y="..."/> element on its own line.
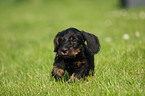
<point x="27" y="30"/>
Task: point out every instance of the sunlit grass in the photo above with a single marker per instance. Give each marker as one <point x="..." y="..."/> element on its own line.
<point x="27" y="31"/>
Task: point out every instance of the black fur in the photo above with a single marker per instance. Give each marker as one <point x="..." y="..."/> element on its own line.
<point x="73" y="55"/>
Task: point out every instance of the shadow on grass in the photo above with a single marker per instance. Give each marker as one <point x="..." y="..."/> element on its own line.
<point x="66" y="78"/>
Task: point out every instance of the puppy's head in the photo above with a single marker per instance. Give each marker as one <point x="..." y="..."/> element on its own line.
<point x="69" y="42"/>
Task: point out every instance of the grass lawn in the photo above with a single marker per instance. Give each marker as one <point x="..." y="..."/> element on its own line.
<point x="27" y="30"/>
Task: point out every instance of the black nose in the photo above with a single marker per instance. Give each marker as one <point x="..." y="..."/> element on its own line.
<point x="64" y="50"/>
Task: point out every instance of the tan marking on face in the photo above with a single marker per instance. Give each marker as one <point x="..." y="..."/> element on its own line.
<point x="64" y="53"/>
<point x="77" y="50"/>
<point x="71" y="38"/>
<point x="57" y="40"/>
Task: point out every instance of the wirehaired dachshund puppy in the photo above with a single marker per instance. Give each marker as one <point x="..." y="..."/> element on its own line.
<point x="73" y="54"/>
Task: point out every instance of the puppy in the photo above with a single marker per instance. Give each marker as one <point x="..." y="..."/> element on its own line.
<point x="73" y="54"/>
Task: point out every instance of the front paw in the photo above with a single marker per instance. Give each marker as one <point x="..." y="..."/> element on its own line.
<point x="73" y="79"/>
<point x="57" y="73"/>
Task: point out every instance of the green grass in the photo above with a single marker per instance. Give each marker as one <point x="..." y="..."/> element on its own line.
<point x="27" y="30"/>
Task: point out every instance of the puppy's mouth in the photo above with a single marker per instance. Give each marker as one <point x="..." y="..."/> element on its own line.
<point x="68" y="55"/>
<point x="71" y="53"/>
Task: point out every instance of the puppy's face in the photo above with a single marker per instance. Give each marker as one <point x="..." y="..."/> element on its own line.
<point x="69" y="43"/>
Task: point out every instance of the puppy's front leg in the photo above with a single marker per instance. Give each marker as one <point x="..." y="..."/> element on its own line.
<point x="58" y="68"/>
<point x="57" y="73"/>
<point x="71" y="78"/>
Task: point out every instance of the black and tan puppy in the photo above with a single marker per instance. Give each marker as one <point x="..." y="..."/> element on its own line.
<point x="73" y="55"/>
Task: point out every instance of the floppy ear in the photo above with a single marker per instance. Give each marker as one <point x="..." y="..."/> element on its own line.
<point x="92" y="42"/>
<point x="56" y="42"/>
